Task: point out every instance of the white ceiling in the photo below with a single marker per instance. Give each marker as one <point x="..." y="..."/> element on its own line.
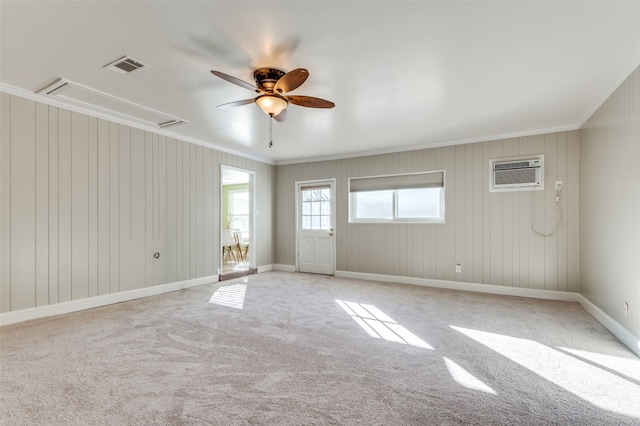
<point x="403" y="75"/>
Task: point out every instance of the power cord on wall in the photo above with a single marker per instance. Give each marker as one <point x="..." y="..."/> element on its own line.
<point x="558" y="214"/>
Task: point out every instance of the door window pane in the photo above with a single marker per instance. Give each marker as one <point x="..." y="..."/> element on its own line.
<point x="316" y="207"/>
<point x="315" y="222"/>
<point x="325" y="207"/>
<point x="324" y="222"/>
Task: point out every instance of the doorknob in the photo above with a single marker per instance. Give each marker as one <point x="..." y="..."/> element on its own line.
<point x="330" y="233"/>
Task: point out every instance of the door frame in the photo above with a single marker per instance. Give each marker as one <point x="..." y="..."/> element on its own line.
<point x="252" y="215"/>
<point x="315" y="182"/>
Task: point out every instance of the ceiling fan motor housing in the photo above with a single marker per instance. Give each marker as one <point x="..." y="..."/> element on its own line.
<point x="266" y="78"/>
<point x="272" y="84"/>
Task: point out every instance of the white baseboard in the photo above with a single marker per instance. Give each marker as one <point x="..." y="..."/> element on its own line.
<point x="265" y="268"/>
<point x="464" y="286"/>
<point x="284" y="268"/>
<point x="624" y="335"/>
<point x="97" y="301"/>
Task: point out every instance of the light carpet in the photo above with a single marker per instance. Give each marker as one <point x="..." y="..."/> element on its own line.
<point x="290" y="349"/>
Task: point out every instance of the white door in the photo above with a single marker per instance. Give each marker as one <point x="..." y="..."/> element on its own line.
<point x="316" y="224"/>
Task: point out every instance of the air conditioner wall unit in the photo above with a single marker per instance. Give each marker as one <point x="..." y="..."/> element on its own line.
<point x="516" y="173"/>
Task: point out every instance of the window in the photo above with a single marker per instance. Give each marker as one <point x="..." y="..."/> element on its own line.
<point x="316" y="208"/>
<point x="408" y="198"/>
<point x="238" y="211"/>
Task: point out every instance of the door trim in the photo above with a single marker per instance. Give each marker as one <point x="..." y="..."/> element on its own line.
<point x="316" y="182"/>
<point x="252" y="216"/>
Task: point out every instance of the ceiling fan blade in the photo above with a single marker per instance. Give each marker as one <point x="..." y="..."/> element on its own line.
<point x="291" y="80"/>
<point x="310" y="102"/>
<point x="234" y="80"/>
<point x="237" y="103"/>
<point x="282" y="116"/>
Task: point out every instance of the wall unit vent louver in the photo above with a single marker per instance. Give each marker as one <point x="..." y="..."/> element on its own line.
<point x="124" y="65"/>
<point x="516" y="174"/>
<point x="94" y="102"/>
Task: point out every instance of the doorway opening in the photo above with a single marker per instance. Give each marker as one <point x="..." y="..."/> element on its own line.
<point x="237" y="239"/>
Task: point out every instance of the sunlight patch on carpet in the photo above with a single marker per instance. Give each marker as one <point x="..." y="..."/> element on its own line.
<point x="230" y="295"/>
<point x="625" y="366"/>
<point x="589" y="382"/>
<point x="380" y="326"/>
<point x="466" y="379"/>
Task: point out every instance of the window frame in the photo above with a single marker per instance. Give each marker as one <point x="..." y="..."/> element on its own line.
<point x="395" y="219"/>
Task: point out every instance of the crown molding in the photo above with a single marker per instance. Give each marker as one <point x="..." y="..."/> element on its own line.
<point x="431" y="145"/>
<point x="17" y="91"/>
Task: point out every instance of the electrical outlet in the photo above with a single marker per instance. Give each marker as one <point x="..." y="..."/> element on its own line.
<point x="458" y="268"/>
<point x="559" y="185"/>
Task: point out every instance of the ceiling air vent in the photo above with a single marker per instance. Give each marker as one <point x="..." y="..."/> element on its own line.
<point x="124" y="65"/>
<point x="170" y="123"/>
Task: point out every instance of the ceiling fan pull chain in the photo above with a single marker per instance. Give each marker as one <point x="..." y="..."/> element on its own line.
<point x="270" y="131"/>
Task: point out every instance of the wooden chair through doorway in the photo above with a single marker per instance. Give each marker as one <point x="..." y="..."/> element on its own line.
<point x="229" y="246"/>
<point x="242" y="248"/>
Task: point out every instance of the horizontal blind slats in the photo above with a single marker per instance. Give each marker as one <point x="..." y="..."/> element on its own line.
<point x="383" y="183"/>
<point x="320" y="186"/>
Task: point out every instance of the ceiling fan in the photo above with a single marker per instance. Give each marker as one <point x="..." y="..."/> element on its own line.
<point x="272" y="85"/>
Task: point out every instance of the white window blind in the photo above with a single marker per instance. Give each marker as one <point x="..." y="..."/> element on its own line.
<point x="407" y="181"/>
<point x="238" y="203"/>
<point x="238" y="212"/>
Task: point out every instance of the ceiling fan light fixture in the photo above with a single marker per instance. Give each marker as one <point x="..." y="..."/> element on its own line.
<point x="271" y="105"/>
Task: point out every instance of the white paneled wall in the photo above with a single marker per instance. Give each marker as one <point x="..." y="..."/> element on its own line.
<point x="487" y="233"/>
<point x="610" y="205"/>
<point x="84" y="204"/>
